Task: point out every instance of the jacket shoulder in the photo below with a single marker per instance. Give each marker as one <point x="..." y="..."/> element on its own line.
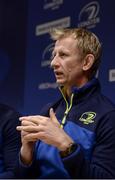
<point x="7" y="113"/>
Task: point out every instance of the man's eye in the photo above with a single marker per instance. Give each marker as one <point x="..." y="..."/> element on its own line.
<point x="63" y="54"/>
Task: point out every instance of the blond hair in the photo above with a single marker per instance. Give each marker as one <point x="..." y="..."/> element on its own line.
<point x="87" y="42"/>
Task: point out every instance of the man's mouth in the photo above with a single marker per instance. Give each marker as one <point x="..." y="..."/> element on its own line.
<point x="58" y="73"/>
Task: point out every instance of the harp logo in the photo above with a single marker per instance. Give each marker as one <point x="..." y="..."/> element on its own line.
<point x="89" y="15"/>
<point x="88" y="117"/>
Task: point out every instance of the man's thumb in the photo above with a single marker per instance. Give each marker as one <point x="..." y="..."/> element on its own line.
<point x="53" y="116"/>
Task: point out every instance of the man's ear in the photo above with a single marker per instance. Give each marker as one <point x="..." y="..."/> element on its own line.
<point x="88" y="62"/>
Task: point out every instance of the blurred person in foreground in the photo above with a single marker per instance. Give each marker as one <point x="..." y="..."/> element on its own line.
<point x="73" y="137"/>
<point x="10" y="141"/>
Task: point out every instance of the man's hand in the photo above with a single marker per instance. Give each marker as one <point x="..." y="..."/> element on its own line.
<point x="46" y="129"/>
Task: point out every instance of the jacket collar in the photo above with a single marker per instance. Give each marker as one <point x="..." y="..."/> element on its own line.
<point x="85" y="91"/>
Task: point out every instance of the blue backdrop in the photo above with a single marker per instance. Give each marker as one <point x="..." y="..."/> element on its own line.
<point x="27" y="82"/>
<point x="13" y="20"/>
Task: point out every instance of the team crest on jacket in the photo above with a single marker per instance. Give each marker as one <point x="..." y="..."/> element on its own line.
<point x="87" y="117"/>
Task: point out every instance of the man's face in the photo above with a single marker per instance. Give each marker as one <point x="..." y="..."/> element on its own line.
<point x="66" y="62"/>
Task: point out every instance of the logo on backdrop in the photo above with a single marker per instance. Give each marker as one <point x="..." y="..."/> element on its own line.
<point x="46" y="60"/>
<point x="47" y="85"/>
<point x="112" y="75"/>
<point x="89" y="15"/>
<point x="46" y="27"/>
<point x="52" y="4"/>
<point x="46" y="56"/>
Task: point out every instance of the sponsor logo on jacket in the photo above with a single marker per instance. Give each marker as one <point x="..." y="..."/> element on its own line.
<point x="88" y="117"/>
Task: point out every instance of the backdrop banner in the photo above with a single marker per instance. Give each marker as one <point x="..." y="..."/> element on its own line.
<point x="97" y="16"/>
<point x="27" y="81"/>
<point x="12" y="52"/>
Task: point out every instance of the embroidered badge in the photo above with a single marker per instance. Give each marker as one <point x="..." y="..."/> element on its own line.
<point x="87" y="117"/>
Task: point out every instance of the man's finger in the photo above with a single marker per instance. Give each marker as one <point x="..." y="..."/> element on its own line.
<point x="53" y="116"/>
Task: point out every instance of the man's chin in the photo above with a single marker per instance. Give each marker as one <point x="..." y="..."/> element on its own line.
<point x="60" y="83"/>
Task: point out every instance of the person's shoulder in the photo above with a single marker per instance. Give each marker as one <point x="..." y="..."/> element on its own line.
<point x="8" y="111"/>
<point x="108" y="109"/>
<point x="108" y="103"/>
<point x="6" y="108"/>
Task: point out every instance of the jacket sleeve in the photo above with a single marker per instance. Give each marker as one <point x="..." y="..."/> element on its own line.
<point x="26" y="171"/>
<point x="11" y="143"/>
<point x="32" y="171"/>
<point x="102" y="163"/>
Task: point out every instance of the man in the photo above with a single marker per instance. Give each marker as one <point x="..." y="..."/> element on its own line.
<point x="75" y="136"/>
<point x="10" y="141"/>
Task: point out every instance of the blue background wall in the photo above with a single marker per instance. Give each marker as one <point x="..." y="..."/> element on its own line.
<point x="26" y="80"/>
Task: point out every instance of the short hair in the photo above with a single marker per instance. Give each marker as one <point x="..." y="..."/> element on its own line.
<point x="87" y="42"/>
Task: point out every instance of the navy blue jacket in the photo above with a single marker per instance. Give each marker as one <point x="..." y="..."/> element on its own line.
<point x="9" y="141"/>
<point x="91" y="124"/>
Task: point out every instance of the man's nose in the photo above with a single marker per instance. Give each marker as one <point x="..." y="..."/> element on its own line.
<point x="55" y="62"/>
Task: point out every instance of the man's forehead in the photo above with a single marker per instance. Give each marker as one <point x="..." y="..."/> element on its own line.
<point x="65" y="43"/>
